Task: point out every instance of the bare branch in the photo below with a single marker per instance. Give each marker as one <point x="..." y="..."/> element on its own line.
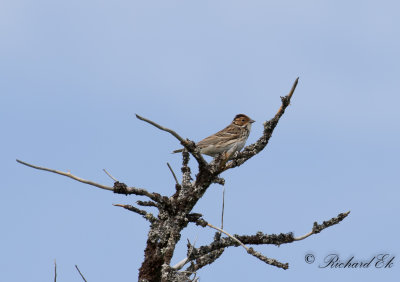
<point x="189" y="145"/>
<point x="287" y="99"/>
<point x="319" y="227"/>
<point x="176" y="135"/>
<point x="260" y="238"/>
<point x="182" y="263"/>
<point x="269" y="261"/>
<point x="269" y="126"/>
<point x="197" y="218"/>
<point x="147" y="204"/>
<point x="173" y="173"/>
<point x="219" y="180"/>
<point x="201" y="261"/>
<point x="131" y="208"/>
<point x="122" y="188"/>
<point x="229" y="235"/>
<point x="223" y="209"/>
<point x="68" y="174"/>
<point x="205" y="260"/>
<point x="119" y="188"/>
<point x="80" y="273"/>
<point x="145" y="214"/>
<point x="252" y="252"/>
<point x="115" y="180"/>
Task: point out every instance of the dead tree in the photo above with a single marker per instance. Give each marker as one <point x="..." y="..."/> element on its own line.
<point x="175" y="211"/>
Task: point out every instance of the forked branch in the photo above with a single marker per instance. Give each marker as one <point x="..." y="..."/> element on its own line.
<point x="257" y="239"/>
<point x="120" y="188"/>
<point x="252" y="252"/>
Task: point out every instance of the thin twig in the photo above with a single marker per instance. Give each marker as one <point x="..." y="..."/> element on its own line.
<point x="176" y="135"/>
<point x="267" y="260"/>
<point x="80" y="273"/>
<point x="182" y="263"/>
<point x="55" y="271"/>
<point x="252" y="252"/>
<point x="125" y="189"/>
<point x="68" y="174"/>
<point x="147" y="204"/>
<point x="205" y="260"/>
<point x="223" y="208"/>
<point x="173" y="173"/>
<point x="229" y="235"/>
<point x="150" y="217"/>
<point x="109" y="175"/>
<point x="304" y="236"/>
<point x="288" y="96"/>
<point x="190" y="146"/>
<point x="319" y="227"/>
<point x="131" y="208"/>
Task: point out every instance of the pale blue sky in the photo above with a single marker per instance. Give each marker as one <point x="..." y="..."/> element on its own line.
<point x="73" y="73"/>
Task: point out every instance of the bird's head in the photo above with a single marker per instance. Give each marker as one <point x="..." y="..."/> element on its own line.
<point x="242" y="120"/>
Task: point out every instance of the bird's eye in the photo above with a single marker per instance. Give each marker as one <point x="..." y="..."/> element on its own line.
<point x="243" y="120"/>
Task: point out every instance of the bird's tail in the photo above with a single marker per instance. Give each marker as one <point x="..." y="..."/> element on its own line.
<point x="177" y="151"/>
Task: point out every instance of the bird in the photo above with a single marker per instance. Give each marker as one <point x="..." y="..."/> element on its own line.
<point x="229" y="140"/>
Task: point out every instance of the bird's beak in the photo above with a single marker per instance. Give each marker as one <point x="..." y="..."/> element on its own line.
<point x="251" y="121"/>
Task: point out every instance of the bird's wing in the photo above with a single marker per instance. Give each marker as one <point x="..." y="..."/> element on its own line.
<point x="227" y="135"/>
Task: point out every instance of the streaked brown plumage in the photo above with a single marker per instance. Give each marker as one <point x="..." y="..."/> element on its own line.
<point x="229" y="140"/>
